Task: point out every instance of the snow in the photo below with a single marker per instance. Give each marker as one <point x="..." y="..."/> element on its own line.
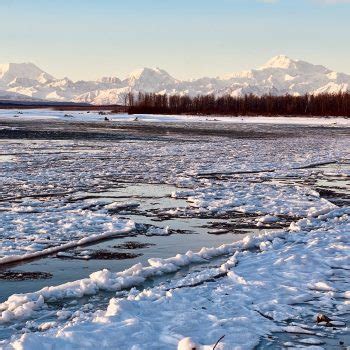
<point x="145" y="78"/>
<point x="273" y="281"/>
<point x="187" y="344"/>
<point x="280" y="61"/>
<point x="267" y="219"/>
<point x="280" y="75"/>
<point x="311" y="341"/>
<point x="242" y="306"/>
<point x="157" y="231"/>
<point x="94" y="116"/>
<point x="52" y="228"/>
<point x="293" y="201"/>
<point x="20" y="306"/>
<point x="12" y="71"/>
<point x="11" y="256"/>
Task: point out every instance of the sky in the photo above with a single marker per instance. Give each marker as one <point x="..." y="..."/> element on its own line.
<point x="87" y="39"/>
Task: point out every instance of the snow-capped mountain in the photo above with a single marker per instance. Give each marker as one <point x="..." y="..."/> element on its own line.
<point x="279" y="76"/>
<point x="24" y="73"/>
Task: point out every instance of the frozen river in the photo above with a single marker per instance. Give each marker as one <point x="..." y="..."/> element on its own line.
<point x="195" y="213"/>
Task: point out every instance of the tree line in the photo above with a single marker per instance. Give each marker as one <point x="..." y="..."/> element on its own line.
<point x="268" y="105"/>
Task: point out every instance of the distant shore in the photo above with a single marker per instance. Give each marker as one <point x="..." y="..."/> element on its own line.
<point x="320" y="105"/>
<point x="118" y="109"/>
<point x="61" y="106"/>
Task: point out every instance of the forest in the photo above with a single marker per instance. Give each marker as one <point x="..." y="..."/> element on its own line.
<point x="267" y="105"/>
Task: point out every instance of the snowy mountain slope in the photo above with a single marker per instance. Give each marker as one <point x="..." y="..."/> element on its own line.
<point x="279" y="76"/>
<point x="104" y="97"/>
<point x="150" y="79"/>
<point x="24" y="72"/>
<point x="13" y="96"/>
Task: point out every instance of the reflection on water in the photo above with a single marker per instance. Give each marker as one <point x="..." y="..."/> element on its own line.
<point x="148" y="197"/>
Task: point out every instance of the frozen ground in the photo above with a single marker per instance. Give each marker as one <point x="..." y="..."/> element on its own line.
<point x="272" y="201"/>
<point x="95" y="116"/>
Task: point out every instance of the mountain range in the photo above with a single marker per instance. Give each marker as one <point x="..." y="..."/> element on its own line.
<point x="279" y="76"/>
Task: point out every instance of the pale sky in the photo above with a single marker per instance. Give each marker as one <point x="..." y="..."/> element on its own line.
<point x="87" y="39"/>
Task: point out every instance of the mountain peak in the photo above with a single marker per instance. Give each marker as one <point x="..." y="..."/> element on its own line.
<point x="279" y="76"/>
<point x="109" y="80"/>
<point x="28" y="70"/>
<point x="145" y="71"/>
<point x="280" y="61"/>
